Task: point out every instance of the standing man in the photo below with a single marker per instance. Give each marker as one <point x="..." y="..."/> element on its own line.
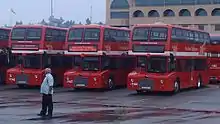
<point x="47" y="92"/>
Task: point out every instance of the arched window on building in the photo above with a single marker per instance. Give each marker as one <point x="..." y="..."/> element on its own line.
<point x="153" y="13"/>
<point x="168" y="13"/>
<point x="119" y="4"/>
<point x="184" y="12"/>
<point x="216" y="12"/>
<point x="201" y="12"/>
<point x="138" y="13"/>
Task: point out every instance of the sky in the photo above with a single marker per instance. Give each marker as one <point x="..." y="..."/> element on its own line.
<point x="32" y="11"/>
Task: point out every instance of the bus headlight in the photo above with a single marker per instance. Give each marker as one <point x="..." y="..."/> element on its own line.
<point x="161" y="81"/>
<point x="36" y="76"/>
<point x="67" y="79"/>
<point x="10" y="75"/>
<point x="95" y="79"/>
<point x="132" y="80"/>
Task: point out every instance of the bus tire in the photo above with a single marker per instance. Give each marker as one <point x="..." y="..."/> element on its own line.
<point x="139" y="91"/>
<point x="199" y="82"/>
<point x="176" y="87"/>
<point x="110" y="83"/>
<point x="1" y="79"/>
<point x="22" y="86"/>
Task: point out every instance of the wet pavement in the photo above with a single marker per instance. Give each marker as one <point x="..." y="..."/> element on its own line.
<point x="202" y="106"/>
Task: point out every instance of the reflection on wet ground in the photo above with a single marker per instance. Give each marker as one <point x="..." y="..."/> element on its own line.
<point x="199" y="106"/>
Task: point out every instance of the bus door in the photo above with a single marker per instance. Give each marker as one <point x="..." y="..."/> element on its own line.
<point x="193" y="73"/>
<point x="184" y="72"/>
<point x="199" y="71"/>
<point x="54" y="62"/>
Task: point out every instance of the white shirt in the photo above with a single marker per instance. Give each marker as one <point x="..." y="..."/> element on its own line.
<point x="47" y="82"/>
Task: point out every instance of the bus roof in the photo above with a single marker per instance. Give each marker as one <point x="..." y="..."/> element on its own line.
<point x="159" y="24"/>
<point x="98" y="26"/>
<point x="3" y="28"/>
<point x="38" y="26"/>
<point x="214" y="34"/>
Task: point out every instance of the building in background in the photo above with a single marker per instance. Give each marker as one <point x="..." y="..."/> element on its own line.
<point x="202" y="14"/>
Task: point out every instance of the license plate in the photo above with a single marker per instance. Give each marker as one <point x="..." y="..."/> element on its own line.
<point x="80" y="85"/>
<point x="146" y="88"/>
<point x="22" y="82"/>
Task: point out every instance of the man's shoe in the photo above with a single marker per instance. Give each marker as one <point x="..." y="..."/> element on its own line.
<point x="49" y="117"/>
<point x="41" y="115"/>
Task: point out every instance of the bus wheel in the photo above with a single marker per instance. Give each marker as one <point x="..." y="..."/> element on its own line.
<point x="176" y="87"/>
<point x="110" y="84"/>
<point x="1" y="79"/>
<point x="139" y="91"/>
<point x="199" y="82"/>
<point x="22" y="86"/>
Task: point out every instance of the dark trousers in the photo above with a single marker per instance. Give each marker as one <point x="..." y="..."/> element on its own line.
<point x="47" y="103"/>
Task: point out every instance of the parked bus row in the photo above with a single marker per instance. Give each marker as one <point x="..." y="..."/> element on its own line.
<point x="149" y="57"/>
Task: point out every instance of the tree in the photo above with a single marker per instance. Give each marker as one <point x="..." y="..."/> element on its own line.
<point x="18" y="23"/>
<point x="88" y="21"/>
<point x="43" y="22"/>
<point x="100" y="23"/>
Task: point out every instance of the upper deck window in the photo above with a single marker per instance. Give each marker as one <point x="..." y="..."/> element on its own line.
<point x="116" y="35"/>
<point x="34" y="34"/>
<point x="4" y="35"/>
<point x="18" y="34"/>
<point x="58" y="35"/>
<point x="29" y="34"/>
<point x="187" y="35"/>
<point x="158" y="34"/>
<point x="140" y="34"/>
<point x="75" y="34"/>
<point x="92" y="34"/>
<point x="215" y="39"/>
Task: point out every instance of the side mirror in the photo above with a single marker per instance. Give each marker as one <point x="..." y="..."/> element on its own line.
<point x="172" y="58"/>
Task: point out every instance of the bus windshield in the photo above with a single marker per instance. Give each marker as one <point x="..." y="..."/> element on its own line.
<point x="91" y="64"/>
<point x="141" y="62"/>
<point x="92" y="34"/>
<point x="32" y="62"/>
<point x="157" y="65"/>
<point x="28" y="34"/>
<point x="4" y="35"/>
<point x="77" y="60"/>
<point x="75" y="34"/>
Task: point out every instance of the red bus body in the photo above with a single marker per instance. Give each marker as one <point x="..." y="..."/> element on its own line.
<point x="4" y="52"/>
<point x="94" y="49"/>
<point x="36" y="47"/>
<point x="169" y="58"/>
<point x="214" y="58"/>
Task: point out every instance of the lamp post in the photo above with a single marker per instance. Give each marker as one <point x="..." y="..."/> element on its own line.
<point x="51" y="8"/>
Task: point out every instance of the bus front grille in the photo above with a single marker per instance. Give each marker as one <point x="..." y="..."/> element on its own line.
<point x="21" y="79"/>
<point x="146" y="84"/>
<point x="80" y="81"/>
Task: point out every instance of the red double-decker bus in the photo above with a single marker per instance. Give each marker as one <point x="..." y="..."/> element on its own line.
<point x="37" y="47"/>
<point x="99" y="56"/>
<point x="169" y="58"/>
<point x="214" y="58"/>
<point x="5" y="53"/>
